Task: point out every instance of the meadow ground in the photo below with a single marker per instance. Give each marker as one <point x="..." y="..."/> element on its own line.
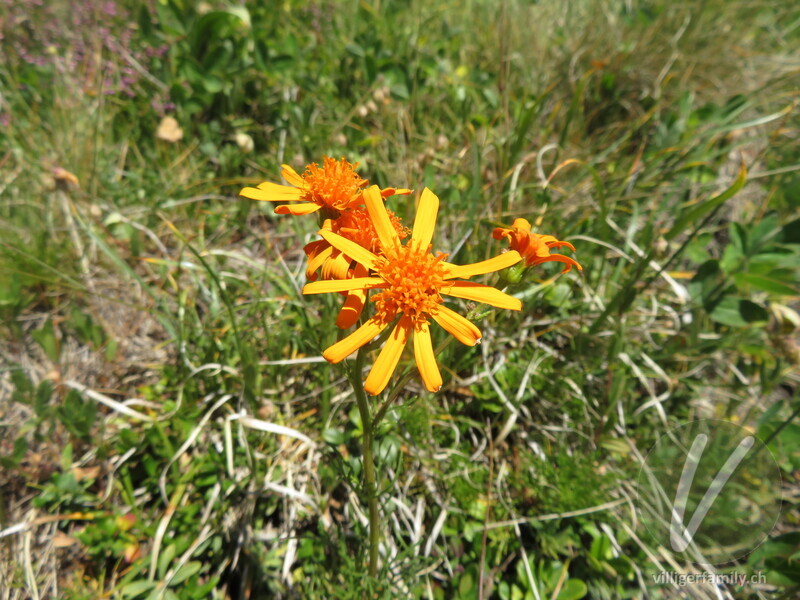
<point x="167" y="426"/>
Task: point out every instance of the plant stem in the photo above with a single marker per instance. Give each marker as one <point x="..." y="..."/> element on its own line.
<point x="367" y="461"/>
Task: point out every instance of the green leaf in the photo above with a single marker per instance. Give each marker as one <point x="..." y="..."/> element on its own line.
<point x="145" y="22"/>
<point x="601" y="548"/>
<point x="783" y="545"/>
<point x="111" y="350"/>
<point x="214" y="25"/>
<point x="765" y="284"/>
<point x="17" y="454"/>
<point x="790" y="233"/>
<point x="787" y="569"/>
<point x="556" y="294"/>
<point x="242" y="14"/>
<point x="466" y="586"/>
<point x="23" y="385"/>
<point x="165" y="559"/>
<point x="778" y="557"/>
<point x="66" y="458"/>
<point x="762" y="232"/>
<point x="732" y="259"/>
<point x="705" y="281"/>
<point x="201" y="592"/>
<point x="574" y="589"/>
<point x="615" y="446"/>
<point x="46" y="338"/>
<point x="77" y="415"/>
<point x="400" y="91"/>
<point x="333" y="436"/>
<point x="186" y="571"/>
<point x="738" y="312"/>
<point x="137" y="588"/>
<point x="170" y="18"/>
<point x="776" y="260"/>
<point x="523" y="124"/>
<point x="738" y="235"/>
<point x="41" y="401"/>
<point x="213" y="84"/>
<point x="355" y="49"/>
<point x="697" y="212"/>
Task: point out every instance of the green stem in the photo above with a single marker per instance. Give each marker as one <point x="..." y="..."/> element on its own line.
<point x="367" y="461"/>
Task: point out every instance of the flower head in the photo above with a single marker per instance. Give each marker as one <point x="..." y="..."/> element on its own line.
<point x="335" y="186"/>
<point x="354" y="225"/>
<point x="412" y="282"/>
<point x="534" y="248"/>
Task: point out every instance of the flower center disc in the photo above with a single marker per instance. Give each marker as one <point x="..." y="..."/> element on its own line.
<point x="333" y="185"/>
<point x="415" y="278"/>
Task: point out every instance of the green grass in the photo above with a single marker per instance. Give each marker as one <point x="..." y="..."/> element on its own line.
<point x="153" y="326"/>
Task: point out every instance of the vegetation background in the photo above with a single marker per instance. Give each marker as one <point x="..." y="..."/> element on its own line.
<point x="153" y="335"/>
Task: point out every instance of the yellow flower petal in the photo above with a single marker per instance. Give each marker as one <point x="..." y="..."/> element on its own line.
<point x="313" y="248"/>
<point x="559" y="244"/>
<point x="534" y="247"/>
<point x="337" y="267"/>
<point x="501" y="232"/>
<point x="343" y="285"/>
<point x="461" y="328"/>
<point x="344" y="348"/>
<point x="483" y="293"/>
<point x="523" y="225"/>
<point x="380" y="218"/>
<point x="426" y="360"/>
<point x="546" y="239"/>
<point x="351" y="249"/>
<point x="485" y="266"/>
<point x="290" y="175"/>
<point x="351" y="309"/>
<point x="386" y="192"/>
<point x="304" y="208"/>
<point x="569" y="262"/>
<point x="318" y="259"/>
<point x="425" y="220"/>
<point x="354" y="304"/>
<point x="271" y="192"/>
<point x="387" y="360"/>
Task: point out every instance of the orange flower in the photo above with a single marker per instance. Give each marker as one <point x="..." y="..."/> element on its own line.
<point x="356" y="226"/>
<point x="412" y="282"/>
<point x="336" y="187"/>
<point x="533" y="247"/>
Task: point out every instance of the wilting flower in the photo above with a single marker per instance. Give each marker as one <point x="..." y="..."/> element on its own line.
<point x="356" y="226"/>
<point x="534" y="248"/>
<point x="411" y="281"/>
<point x="335" y="186"/>
<point x="169" y="130"/>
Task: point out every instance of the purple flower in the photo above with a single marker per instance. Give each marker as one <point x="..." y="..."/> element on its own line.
<point x="86" y="40"/>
